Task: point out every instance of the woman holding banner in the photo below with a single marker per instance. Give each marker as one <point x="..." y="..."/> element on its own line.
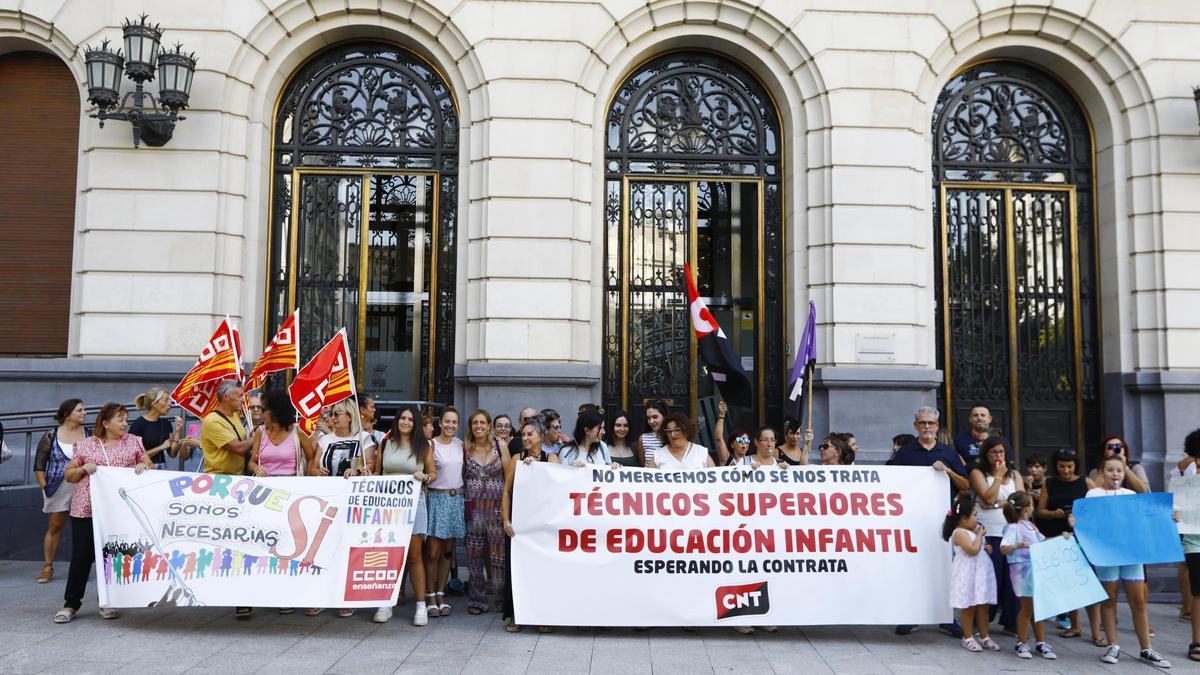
<point x="585" y="446"/>
<point x="992" y="481"/>
<point x="54" y="453"/>
<point x="680" y="453"/>
<point x="277" y="448"/>
<point x="109" y="446"/>
<point x="406" y="452"/>
<point x="345" y="452"/>
<point x="531" y="451"/>
<point x="1135" y="474"/>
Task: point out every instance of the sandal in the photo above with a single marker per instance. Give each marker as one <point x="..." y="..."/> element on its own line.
<point x="545" y="629"/>
<point x="286" y="610"/>
<point x="345" y="613"/>
<point x="1068" y="633"/>
<point x="431" y="607"/>
<point x="971" y="644"/>
<point x="243" y="612"/>
<point x="474" y="611"/>
<point x="1099" y="641"/>
<point x="109" y="614"/>
<point x="1194" y="651"/>
<point x="46" y="576"/>
<point x="313" y="611"/>
<point x="64" y="615"/>
<point x="443" y="608"/>
<point x="513" y="628"/>
<point x="989" y="644"/>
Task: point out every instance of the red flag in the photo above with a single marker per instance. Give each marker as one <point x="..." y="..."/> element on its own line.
<point x="716" y="352"/>
<point x="327" y="378"/>
<point x="218" y="361"/>
<point x="282" y="352"/>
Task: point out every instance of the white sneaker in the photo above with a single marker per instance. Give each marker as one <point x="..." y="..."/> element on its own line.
<point x="1154" y="658"/>
<point x="382" y="615"/>
<point x="1046" y="652"/>
<point x="421" y="617"/>
<point x="744" y="630"/>
<point x="1112" y="654"/>
<point x="769" y="629"/>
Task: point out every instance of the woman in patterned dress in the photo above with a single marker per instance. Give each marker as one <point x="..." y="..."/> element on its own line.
<point x="483" y="475"/>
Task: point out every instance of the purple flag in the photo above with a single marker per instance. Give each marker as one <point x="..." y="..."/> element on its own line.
<point x="806" y="358"/>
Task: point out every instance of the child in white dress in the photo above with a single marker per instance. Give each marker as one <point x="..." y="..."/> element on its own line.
<point x="972" y="576"/>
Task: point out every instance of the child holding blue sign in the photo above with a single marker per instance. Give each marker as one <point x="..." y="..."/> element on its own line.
<point x="972" y="577"/>
<point x="1132" y="577"/>
<point x="1019" y="535"/>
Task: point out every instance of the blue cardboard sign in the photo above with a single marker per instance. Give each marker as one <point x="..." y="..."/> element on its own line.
<point x="1062" y="578"/>
<point x="1128" y="529"/>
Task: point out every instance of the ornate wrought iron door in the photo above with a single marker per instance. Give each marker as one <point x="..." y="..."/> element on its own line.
<point x="693" y="174"/>
<point x="366" y="158"/>
<point x="1012" y="197"/>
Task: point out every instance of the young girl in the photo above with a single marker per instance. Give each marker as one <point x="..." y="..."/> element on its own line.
<point x="972" y="578"/>
<point x="1112" y="476"/>
<point x="1019" y="535"/>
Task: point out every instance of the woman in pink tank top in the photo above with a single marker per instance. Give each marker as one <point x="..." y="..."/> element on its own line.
<point x="274" y="452"/>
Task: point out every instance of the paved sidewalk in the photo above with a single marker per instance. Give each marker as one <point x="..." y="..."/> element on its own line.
<point x="210" y="641"/>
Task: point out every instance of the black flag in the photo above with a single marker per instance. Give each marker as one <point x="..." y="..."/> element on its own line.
<point x="716" y="352"/>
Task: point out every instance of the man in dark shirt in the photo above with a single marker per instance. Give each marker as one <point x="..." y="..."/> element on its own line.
<point x="967" y="442"/>
<point x="926" y="451"/>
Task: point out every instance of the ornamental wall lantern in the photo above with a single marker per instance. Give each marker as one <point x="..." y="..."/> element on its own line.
<point x="153" y="123"/>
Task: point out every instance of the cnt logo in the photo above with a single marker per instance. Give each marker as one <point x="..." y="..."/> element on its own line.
<point x="742" y="600"/>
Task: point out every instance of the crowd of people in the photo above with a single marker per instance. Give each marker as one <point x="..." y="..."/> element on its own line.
<point x="997" y="511"/>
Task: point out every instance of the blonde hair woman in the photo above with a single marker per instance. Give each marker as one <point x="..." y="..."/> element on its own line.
<point x="159" y="433"/>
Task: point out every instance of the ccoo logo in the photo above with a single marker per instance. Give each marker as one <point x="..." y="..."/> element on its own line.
<point x="742" y="600"/>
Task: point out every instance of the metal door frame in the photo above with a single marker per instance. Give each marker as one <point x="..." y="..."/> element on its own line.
<point x="1010" y="280"/>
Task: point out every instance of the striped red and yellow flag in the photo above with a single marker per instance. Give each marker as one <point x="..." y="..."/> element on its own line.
<point x="327" y="378"/>
<point x="217" y="361"/>
<point x="282" y="352"/>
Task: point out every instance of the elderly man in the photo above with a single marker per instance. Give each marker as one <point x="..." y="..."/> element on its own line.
<point x="926" y="451"/>
<point x="225" y="443"/>
<point x="514" y="446"/>
<point x="967" y="442"/>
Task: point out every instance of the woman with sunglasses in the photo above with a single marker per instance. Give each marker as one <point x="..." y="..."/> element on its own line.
<point x="836" y="451"/>
<point x="1059" y="492"/>
<point x="1135" y="474"/>
<point x="735" y="451"/>
<point x="680" y="453"/>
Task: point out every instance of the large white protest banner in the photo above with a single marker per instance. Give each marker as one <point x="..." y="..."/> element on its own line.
<point x="729" y="546"/>
<point x="171" y="538"/>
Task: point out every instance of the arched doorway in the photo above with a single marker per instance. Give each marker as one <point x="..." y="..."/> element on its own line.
<point x="364" y="215"/>
<point x="1014" y="224"/>
<point x="693" y="173"/>
<point x="37" y="223"/>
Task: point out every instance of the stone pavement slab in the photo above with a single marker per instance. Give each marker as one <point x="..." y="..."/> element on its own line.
<point x="210" y="640"/>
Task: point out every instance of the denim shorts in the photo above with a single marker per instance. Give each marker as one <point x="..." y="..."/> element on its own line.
<point x="1121" y="573"/>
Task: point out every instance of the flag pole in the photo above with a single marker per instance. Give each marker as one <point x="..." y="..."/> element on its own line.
<point x="809" y="385"/>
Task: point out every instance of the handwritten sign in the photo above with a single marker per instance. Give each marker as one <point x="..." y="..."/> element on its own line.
<point x="1187" y="501"/>
<point x="1062" y="578"/>
<point x="1128" y="529"/>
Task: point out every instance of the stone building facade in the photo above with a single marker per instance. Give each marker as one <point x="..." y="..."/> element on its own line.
<point x="987" y="200"/>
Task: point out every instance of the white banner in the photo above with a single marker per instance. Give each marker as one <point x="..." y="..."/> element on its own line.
<point x="730" y="546"/>
<point x="171" y="538"/>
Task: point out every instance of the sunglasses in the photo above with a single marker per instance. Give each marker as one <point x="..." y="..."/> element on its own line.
<point x="825" y="446"/>
<point x="259" y="407"/>
<point x="555" y="426"/>
<point x="742" y="439"/>
<point x="1115" y="446"/>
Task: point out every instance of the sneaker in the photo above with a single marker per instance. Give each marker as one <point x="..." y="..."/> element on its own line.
<point x="1111" y="655"/>
<point x="905" y="630"/>
<point x="1022" y="651"/>
<point x="1045" y="650"/>
<point x="1064" y="622"/>
<point x="1154" y="658"/>
<point x="744" y="630"/>
<point x="382" y="615"/>
<point x="421" y="617"/>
